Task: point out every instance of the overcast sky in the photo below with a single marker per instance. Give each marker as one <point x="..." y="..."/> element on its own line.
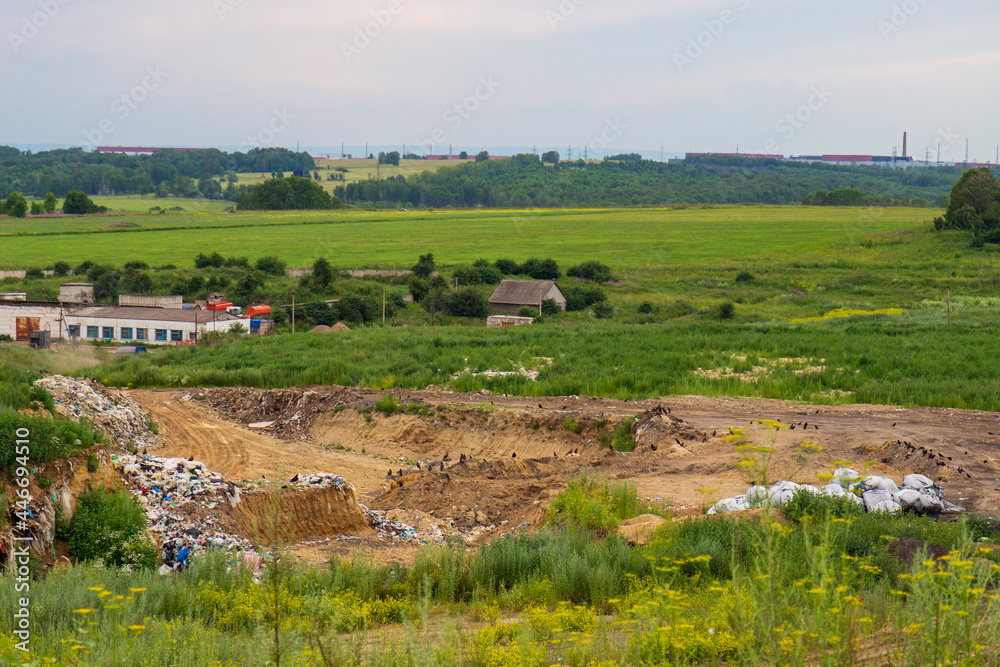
<point x="803" y="77"/>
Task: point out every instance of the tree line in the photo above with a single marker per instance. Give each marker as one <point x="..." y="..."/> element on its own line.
<point x="528" y="181"/>
<point x="167" y="172"/>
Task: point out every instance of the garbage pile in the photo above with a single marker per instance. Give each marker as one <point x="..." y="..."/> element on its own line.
<point x="121" y="418"/>
<point x="181" y="499"/>
<point x="874" y="494"/>
<point x="282" y="413"/>
<point x="319" y="480"/>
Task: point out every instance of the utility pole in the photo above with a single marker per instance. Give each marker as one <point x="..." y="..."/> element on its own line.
<point x="949" y="306"/>
<point x="383" y="304"/>
<point x="293" y="314"/>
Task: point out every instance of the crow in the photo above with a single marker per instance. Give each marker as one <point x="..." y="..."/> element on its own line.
<point x="400" y="472"/>
<point x="677" y="441"/>
<point x="514" y="455"/>
<point x="653" y="447"/>
<point x="815" y="427"/>
<point x="446" y="457"/>
<point x="669" y="411"/>
<point x="713" y="434"/>
<point x="792" y="427"/>
<point x="295" y="479"/>
<point x="442" y="466"/>
<point x="389" y="474"/>
<point x="461" y="459"/>
<point x="540" y="407"/>
<point x="894" y="424"/>
<point x="807" y="426"/>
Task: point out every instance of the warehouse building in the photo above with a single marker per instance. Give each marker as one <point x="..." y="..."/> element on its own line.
<point x="512" y="295"/>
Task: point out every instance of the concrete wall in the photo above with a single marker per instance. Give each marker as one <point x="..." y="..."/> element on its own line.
<point x="495" y="321"/>
<point x="135" y="300"/>
<point x="48" y="317"/>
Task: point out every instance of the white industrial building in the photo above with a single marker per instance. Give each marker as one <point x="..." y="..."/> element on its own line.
<point x="110" y="324"/>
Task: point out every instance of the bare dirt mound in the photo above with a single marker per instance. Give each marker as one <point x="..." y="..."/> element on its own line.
<point x="480" y="493"/>
<point x="302" y="515"/>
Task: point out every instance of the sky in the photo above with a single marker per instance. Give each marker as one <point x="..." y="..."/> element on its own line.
<point x="605" y="76"/>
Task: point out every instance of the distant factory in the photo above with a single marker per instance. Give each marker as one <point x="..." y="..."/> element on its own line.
<point x="892" y="161"/>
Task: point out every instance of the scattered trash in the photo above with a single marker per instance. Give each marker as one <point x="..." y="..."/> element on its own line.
<point x="119" y="417"/>
<point x="876" y="494"/>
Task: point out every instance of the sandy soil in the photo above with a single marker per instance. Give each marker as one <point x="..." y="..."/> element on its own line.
<point x="520" y="451"/>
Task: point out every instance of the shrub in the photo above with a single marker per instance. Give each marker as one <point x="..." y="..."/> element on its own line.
<point x="110" y="526"/>
<point x="480" y="273"/>
<point x="811" y="507"/>
<point x="744" y="277"/>
<point x="727" y="311"/>
<point x="595" y="504"/>
<point x="550" y="307"/>
<point x="424" y="267"/>
<point x="34" y="273"/>
<point x="604" y="311"/>
<point x="594" y="271"/>
<point x="581" y="297"/>
<point x="214" y="261"/>
<point x="61" y="268"/>
<point x="645" y="308"/>
<point x="467" y="302"/>
<point x="527" y="311"/>
<point x="93" y="463"/>
<point x="541" y="269"/>
<point x="271" y="266"/>
<point x="508" y="267"/>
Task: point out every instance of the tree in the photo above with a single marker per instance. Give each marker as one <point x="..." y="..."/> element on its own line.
<point x="322" y="272"/>
<point x="389" y="158"/>
<point x="286" y="194"/>
<point x="37" y="208"/>
<point x="77" y="203"/>
<point x="16" y="205"/>
<point x="975" y="202"/>
<point x="483" y="156"/>
<point x="61" y="268"/>
<point x="419" y="288"/>
<point x="271" y="265"/>
<point x="213" y="261"/>
<point x="550" y="307"/>
<point x="425" y="266"/>
<point x="463" y="156"/>
<point x="541" y="269"/>
<point x="593" y="271"/>
<point x="507" y="267"/>
<point x="50" y="203"/>
<point x="467" y="302"/>
<point x="551" y="157"/>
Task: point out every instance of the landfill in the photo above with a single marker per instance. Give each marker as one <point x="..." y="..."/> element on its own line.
<point x="873" y="493"/>
<point x="119" y="417"/>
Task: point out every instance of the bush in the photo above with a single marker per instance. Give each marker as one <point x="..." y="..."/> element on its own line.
<point x="507" y="267"/>
<point x="744" y="277"/>
<point x="387" y="405"/>
<point x="213" y="261"/>
<point x="550" y="307"/>
<point x="110" y="526"/>
<point x="727" y="311"/>
<point x="425" y="266"/>
<point x="595" y="504"/>
<point x="541" y="269"/>
<point x="594" y="271"/>
<point x="34" y="273"/>
<point x="271" y="266"/>
<point x="527" y="311"/>
<point x="581" y="297"/>
<point x="77" y="203"/>
<point x="645" y="308"/>
<point x="93" y="463"/>
<point x="467" y="302"/>
<point x="604" y="311"/>
<point x="61" y="268"/>
<point x="480" y="273"/>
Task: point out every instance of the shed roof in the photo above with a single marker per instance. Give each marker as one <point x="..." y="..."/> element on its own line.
<point x="523" y="292"/>
<point x="154" y="314"/>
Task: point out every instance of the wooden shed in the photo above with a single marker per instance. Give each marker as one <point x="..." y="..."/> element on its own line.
<point x="512" y="295"/>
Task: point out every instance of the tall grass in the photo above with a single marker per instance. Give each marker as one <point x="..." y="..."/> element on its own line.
<point x="869" y="363"/>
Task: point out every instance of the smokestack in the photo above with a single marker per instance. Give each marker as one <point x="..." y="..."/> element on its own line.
<point x="904" y="146"/>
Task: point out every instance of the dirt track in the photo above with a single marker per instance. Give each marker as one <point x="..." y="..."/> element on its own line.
<point x="522" y="450"/>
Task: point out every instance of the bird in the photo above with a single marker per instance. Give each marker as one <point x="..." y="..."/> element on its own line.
<point x="807" y="425"/>
<point x="514" y="455"/>
<point x="816" y="427"/>
<point x="461" y="459"/>
<point x="653" y="447"/>
<point x="400" y="472"/>
<point x="792" y="427"/>
<point x="713" y="434"/>
<point x="894" y="424"/>
<point x="389" y="474"/>
<point x="554" y="455"/>
<point x="446" y="457"/>
<point x="442" y="466"/>
<point x="295" y="479"/>
<point x="669" y="411"/>
<point x="540" y="407"/>
<point x="677" y="441"/>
